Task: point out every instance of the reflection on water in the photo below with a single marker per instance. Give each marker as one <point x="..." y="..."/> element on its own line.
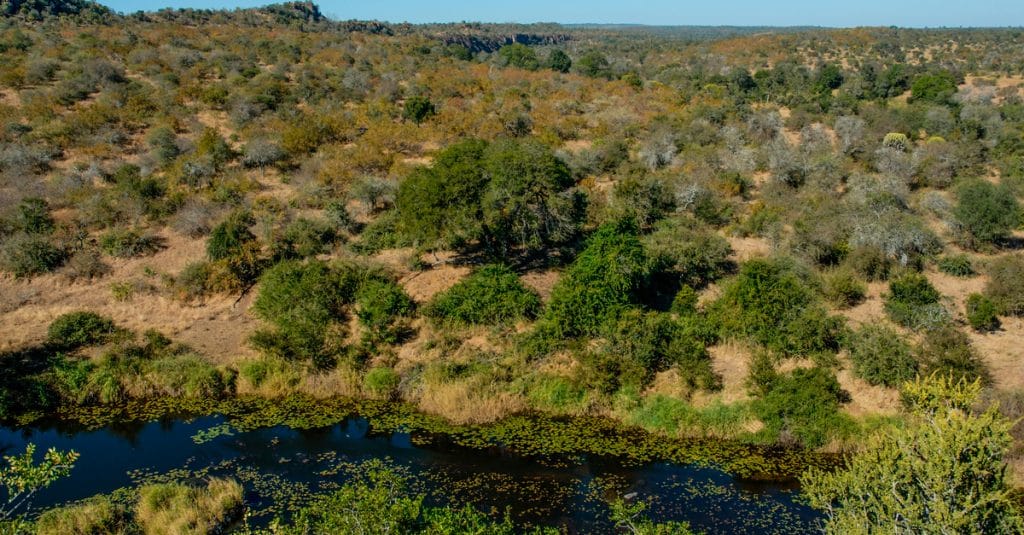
<point x="281" y="465"/>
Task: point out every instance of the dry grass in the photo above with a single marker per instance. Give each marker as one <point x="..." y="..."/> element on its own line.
<point x="470" y="400"/>
<point x="176" y="509"/>
<point x="541" y="282"/>
<point x="731" y="361"/>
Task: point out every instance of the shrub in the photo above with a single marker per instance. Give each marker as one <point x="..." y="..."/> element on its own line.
<point x="34" y="217"/>
<point x="986" y="213"/>
<point x="769" y="303"/>
<point x="804" y="405"/>
<point x="25" y="255"/>
<point x="1006" y="284"/>
<point x="880" y="356"/>
<point x="491" y="295"/>
<point x="519" y="55"/>
<point x="948" y="352"/>
<point x="305" y="237"/>
<point x="127" y="243"/>
<point x="188" y="376"/>
<point x="176" y="509"/>
<point x="86" y="264"/>
<point x="981" y="313"/>
<point x="589" y="294"/>
<point x="913" y="302"/>
<point x="957" y="265"/>
<point x="678" y="246"/>
<point x="228" y="238"/>
<point x="418" y="109"/>
<point x="842" y="288"/>
<point x="381" y="382"/>
<point x="77" y="329"/>
<point x="381" y="305"/>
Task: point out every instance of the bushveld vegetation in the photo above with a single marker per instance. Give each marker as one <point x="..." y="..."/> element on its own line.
<point x="758" y="236"/>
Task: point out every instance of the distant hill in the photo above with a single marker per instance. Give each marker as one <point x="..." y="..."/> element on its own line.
<point x="38" y="10"/>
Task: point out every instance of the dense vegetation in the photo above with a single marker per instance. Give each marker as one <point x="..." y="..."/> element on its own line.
<point x="756" y="235"/>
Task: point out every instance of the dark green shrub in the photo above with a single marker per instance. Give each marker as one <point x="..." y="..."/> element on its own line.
<point x="913" y="302"/>
<point x="559" y="61"/>
<point x="957" y="265"/>
<point x="1006" y="284"/>
<point x="383" y="233"/>
<point x="34" y="217"/>
<point x="590" y="293"/>
<point x="880" y="356"/>
<point x="519" y="55"/>
<point x="678" y="246"/>
<point x="936" y="87"/>
<point x="381" y="305"/>
<point x="228" y="238"/>
<point x="381" y="382"/>
<point x="127" y="243"/>
<point x="78" y="329"/>
<point x="418" y="109"/>
<point x="981" y="313"/>
<point x="871" y="263"/>
<point x="685" y="301"/>
<point x="491" y="295"/>
<point x="987" y="213"/>
<point x="803" y="405"/>
<point x="947" y="351"/>
<point x="304" y="238"/>
<point x="769" y="303"/>
<point x="25" y="255"/>
<point x="842" y="288"/>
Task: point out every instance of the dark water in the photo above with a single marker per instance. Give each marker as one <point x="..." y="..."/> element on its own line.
<point x="280" y="466"/>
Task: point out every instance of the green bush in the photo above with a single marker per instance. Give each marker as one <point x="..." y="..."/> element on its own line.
<point x="981" y="313"/>
<point x="491" y="295"/>
<point x="381" y="305"/>
<point x="679" y="247"/>
<point x="913" y="302"/>
<point x="25" y="255"/>
<point x="957" y="265"/>
<point x="229" y="237"/>
<point x="97" y="515"/>
<point x="843" y="289"/>
<point x="557" y="394"/>
<point x="948" y="352"/>
<point x="304" y="238"/>
<point x="418" y="109"/>
<point x="127" y="243"/>
<point x="803" y="406"/>
<point x="519" y="55"/>
<point x="381" y="382"/>
<point x="78" y="329"/>
<point x="769" y="303"/>
<point x="880" y="356"/>
<point x="986" y="213"/>
<point x="34" y="217"/>
<point x="1006" y="284"/>
<point x="590" y="294"/>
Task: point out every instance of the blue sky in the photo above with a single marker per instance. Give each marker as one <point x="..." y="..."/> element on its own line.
<point x="914" y="13"/>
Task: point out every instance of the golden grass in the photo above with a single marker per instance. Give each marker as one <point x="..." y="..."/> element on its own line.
<point x="470" y="400"/>
<point x="176" y="509"/>
<point x="93" y="516"/>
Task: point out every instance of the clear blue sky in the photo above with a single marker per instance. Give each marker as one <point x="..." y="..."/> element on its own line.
<point x="913" y="13"/>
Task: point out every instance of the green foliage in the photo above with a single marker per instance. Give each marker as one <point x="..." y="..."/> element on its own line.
<point x="590" y="295"/>
<point x="519" y="55"/>
<point x="1006" y="284"/>
<point x="78" y="329"/>
<point x="948" y="352"/>
<point x="842" y="288"/>
<point x="491" y="295"/>
<point x="559" y="61"/>
<point x="769" y="303"/>
<point x="631" y="519"/>
<point x="21" y="478"/>
<point x="381" y="305"/>
<point x="25" y="255"/>
<point x="913" y="302"/>
<point x="176" y="508"/>
<point x="128" y="243"/>
<point x="229" y="237"/>
<point x="803" y="405"/>
<point x="943" y="473"/>
<point x="98" y="515"/>
<point x="303" y="238"/>
<point x="880" y="356"/>
<point x="986" y="213"/>
<point x="982" y="313"/>
<point x="937" y="87"/>
<point x="959" y="265"/>
<point x="33" y="216"/>
<point x="381" y="382"/>
<point x="679" y="247"/>
<point x="594" y="64"/>
<point x="418" y="109"/>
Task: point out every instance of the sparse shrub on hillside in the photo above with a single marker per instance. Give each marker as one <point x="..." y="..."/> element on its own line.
<point x="304" y="238"/>
<point x="880" y="355"/>
<point x="128" y="243"/>
<point x="86" y="265"/>
<point x="680" y="247"/>
<point x="981" y="313"/>
<point x="842" y="288"/>
<point x="77" y="329"/>
<point x="1006" y="284"/>
<point x="228" y="238"/>
<point x="25" y="255"/>
<point x="957" y="265"/>
<point x="491" y="295"/>
<point x="986" y="213"/>
<point x="913" y="302"/>
<point x="948" y="352"/>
